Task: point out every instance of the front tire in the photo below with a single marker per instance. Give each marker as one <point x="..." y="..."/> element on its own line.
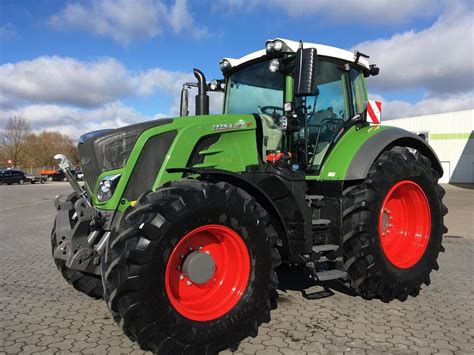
<point x="393" y="226"/>
<point x="167" y="309"/>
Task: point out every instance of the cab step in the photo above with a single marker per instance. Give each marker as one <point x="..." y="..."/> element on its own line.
<point x="316" y="201"/>
<point x="324" y="248"/>
<point x="318" y="294"/>
<point x="315" y="197"/>
<point x="330" y="275"/>
<point x="320" y="223"/>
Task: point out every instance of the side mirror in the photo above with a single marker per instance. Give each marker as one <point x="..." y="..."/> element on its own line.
<point x="305" y="72"/>
<point x="183" y="109"/>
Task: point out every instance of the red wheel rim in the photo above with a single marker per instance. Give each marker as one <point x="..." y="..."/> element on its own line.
<point x="405" y="224"/>
<point x="217" y="296"/>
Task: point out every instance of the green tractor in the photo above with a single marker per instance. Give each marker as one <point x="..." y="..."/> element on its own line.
<point x="183" y="224"/>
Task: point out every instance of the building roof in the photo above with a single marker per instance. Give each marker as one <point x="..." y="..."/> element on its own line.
<point x="321" y="49"/>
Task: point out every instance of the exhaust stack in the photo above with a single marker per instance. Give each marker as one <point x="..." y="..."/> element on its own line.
<point x="202" y="99"/>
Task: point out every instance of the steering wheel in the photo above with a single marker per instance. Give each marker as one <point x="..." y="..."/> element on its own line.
<point x="266" y="109"/>
<point x="337" y="121"/>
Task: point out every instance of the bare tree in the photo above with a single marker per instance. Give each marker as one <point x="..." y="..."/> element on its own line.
<point x="13" y="139"/>
<point x="43" y="147"/>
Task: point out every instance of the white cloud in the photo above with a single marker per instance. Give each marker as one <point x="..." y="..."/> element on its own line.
<point x="73" y="120"/>
<point x="380" y="11"/>
<point x="171" y="82"/>
<point x="438" y="59"/>
<point x="446" y="103"/>
<point x="73" y="97"/>
<point x="86" y="84"/>
<point x="181" y="20"/>
<point x="125" y="21"/>
<point x="65" y="80"/>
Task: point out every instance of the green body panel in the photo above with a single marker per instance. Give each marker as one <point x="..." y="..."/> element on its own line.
<point x="340" y="157"/>
<point x="236" y="149"/>
<point x="288" y="88"/>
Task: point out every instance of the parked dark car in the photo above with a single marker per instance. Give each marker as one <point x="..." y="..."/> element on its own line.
<point x="12" y="176"/>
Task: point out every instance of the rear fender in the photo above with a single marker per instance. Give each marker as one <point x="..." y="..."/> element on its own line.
<point x="386" y="139"/>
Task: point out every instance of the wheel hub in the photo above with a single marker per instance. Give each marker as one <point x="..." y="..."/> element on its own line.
<point x="405" y="224"/>
<point x="199" y="267"/>
<point x="207" y="272"/>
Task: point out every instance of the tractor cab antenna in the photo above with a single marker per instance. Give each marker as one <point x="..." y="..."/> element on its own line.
<point x="358" y="54"/>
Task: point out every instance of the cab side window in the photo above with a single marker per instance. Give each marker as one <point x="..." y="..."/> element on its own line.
<point x="358" y="90"/>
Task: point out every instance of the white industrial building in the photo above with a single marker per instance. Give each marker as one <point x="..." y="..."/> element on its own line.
<point x="451" y="135"/>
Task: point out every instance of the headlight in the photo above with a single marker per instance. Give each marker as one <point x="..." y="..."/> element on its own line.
<point x="274" y="65"/>
<point x="269" y="46"/>
<point x="278" y="45"/>
<point x="107" y="187"/>
<point x="225" y="65"/>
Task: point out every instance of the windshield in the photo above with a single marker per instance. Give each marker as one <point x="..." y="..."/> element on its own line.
<point x="254" y="87"/>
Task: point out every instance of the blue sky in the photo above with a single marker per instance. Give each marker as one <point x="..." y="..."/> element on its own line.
<point x="80" y="65"/>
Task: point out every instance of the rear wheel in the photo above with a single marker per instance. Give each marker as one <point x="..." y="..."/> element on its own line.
<point x="192" y="268"/>
<point x="21" y="182"/>
<point x="393" y="226"/>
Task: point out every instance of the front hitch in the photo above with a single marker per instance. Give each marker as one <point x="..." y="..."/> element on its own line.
<point x="65" y="165"/>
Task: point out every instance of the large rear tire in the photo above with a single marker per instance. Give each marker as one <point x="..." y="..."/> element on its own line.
<point x="168" y="308"/>
<point x="90" y="285"/>
<point x="393" y="226"/>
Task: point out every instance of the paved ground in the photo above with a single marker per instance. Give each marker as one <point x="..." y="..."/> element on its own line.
<point x="39" y="312"/>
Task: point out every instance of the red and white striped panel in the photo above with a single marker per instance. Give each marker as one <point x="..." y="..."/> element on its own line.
<point x="374" y="111"/>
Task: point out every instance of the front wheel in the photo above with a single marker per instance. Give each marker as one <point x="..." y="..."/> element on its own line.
<point x="393" y="226"/>
<point x="192" y="269"/>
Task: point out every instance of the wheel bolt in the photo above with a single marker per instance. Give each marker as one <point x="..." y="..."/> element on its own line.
<point x="178" y="267"/>
<point x="181" y="277"/>
<point x="182" y="256"/>
<point x="200" y="248"/>
<point x="189" y="283"/>
<point x="190" y="248"/>
<point x="208" y="252"/>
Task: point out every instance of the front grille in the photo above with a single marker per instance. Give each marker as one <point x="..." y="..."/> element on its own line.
<point x="109" y="149"/>
<point x="148" y="165"/>
<point x="89" y="163"/>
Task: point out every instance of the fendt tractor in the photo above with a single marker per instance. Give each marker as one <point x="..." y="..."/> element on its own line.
<point x="183" y="224"/>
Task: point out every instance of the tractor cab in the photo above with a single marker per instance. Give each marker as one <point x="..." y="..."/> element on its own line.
<point x="303" y="123"/>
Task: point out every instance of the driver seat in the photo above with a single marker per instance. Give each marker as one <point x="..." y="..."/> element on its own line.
<point x="271" y="134"/>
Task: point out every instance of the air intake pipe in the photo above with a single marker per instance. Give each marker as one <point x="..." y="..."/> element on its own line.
<point x="202" y="99"/>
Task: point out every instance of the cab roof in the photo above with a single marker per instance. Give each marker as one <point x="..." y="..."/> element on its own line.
<point x="322" y="50"/>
